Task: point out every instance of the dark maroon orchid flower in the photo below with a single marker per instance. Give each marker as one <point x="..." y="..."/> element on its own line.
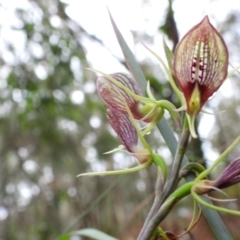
<point x="200" y="64"/>
<point x="230" y="175"/>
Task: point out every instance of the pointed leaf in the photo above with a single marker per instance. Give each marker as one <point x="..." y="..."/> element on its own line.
<point x="88" y="232"/>
<point x="130" y="60"/>
<point x="169" y="55"/>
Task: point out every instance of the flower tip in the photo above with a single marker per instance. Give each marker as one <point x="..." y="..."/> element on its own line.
<point x="206" y="19"/>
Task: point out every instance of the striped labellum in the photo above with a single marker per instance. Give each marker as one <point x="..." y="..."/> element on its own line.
<point x="200" y="64"/>
<point x="114" y="96"/>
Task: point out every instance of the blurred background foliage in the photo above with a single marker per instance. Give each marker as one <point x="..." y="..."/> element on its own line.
<point x="53" y="127"/>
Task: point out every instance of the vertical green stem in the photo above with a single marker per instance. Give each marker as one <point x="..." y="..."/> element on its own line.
<point x="151" y="222"/>
<point x="181" y="149"/>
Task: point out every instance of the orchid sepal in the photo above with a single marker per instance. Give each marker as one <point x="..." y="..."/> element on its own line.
<point x="149" y="92"/>
<point x="173" y="112"/>
<point x="211" y="206"/>
<point x="119" y="148"/>
<point x="159" y="161"/>
<point x="169" y="55"/>
<point x="169" y="74"/>
<point x="154" y="122"/>
<point x="117" y="172"/>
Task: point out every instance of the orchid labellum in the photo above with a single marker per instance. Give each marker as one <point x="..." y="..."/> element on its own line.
<point x="114" y="96"/>
<point x="200" y="65"/>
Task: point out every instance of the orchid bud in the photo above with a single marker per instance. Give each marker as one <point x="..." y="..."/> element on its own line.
<point x="127" y="134"/>
<point x="114" y="96"/>
<point x="230" y="175"/>
<point x="200" y="64"/>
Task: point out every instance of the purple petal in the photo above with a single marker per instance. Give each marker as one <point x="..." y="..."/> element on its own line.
<point x="230" y="175"/>
<point x="114" y="96"/>
<point x="122" y="125"/>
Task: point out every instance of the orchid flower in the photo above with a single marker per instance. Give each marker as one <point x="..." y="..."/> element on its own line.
<point x="128" y="136"/>
<point x="122" y="96"/>
<point x="128" y="133"/>
<point x="200" y="185"/>
<point x="229" y="177"/>
<point x="118" y="88"/>
<point x="200" y="67"/>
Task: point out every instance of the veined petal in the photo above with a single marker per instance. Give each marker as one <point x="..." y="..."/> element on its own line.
<point x="114" y="96"/>
<point x="122" y="125"/>
<point x="200" y="62"/>
<point x="230" y="175"/>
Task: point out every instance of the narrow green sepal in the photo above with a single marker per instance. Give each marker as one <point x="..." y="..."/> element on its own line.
<point x="220" y="209"/>
<point x="149" y="92"/>
<point x="159" y="112"/>
<point x="169" y="74"/>
<point x="159" y="161"/>
<point x="117" y="172"/>
<point x="168" y="54"/>
<point x="119" y="148"/>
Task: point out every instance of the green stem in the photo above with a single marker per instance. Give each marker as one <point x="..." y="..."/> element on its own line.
<point x="150" y="222"/>
<point x="165" y="208"/>
<point x="119" y="172"/>
<point x="181" y="149"/>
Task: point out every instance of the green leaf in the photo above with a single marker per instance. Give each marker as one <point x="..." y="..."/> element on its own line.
<point x="130" y="60"/>
<point x="88" y="232"/>
<point x="169" y="55"/>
